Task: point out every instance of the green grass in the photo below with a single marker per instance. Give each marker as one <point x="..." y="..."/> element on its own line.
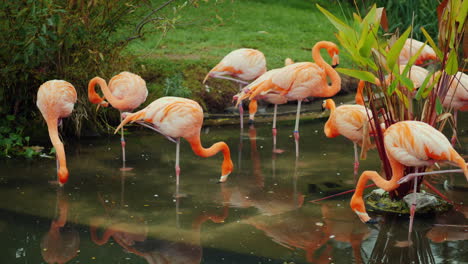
<point x="280" y="29"/>
<point x="204" y="35"/>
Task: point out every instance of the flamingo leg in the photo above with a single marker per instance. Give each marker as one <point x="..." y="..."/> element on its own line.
<point x="296" y="127"/>
<point x="241" y="109"/>
<point x="177" y="168"/>
<point x="122" y="142"/>
<point x="417" y="174"/>
<point x="413" y="206"/>
<point x="356" y="160"/>
<point x="155" y="129"/>
<point x="274" y="126"/>
<point x="230" y="79"/>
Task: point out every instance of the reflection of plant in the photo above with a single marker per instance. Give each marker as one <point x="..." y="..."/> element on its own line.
<point x="12" y="140"/>
<point x="175" y="86"/>
<point x="377" y="57"/>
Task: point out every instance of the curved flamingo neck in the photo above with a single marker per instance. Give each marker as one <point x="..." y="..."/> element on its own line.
<point x="52" y="125"/>
<point x="198" y="149"/>
<point x="95" y="98"/>
<point x="329" y="71"/>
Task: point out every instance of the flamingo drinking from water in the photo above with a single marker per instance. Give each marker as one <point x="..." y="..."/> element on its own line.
<point x="245" y="64"/>
<point x="407" y="143"/>
<point x="176" y="117"/>
<point x="125" y="92"/>
<point x="55" y="100"/>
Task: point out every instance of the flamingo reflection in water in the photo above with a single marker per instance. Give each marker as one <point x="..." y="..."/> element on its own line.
<point x="182" y="248"/>
<point x="250" y="191"/>
<point x="61" y="243"/>
<point x="305" y="229"/>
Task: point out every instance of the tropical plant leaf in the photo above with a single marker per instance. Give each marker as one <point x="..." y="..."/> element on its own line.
<point x="439" y="107"/>
<point x="462" y="15"/>
<point x="423" y="86"/>
<point x="452" y="63"/>
<point x="433" y="45"/>
<point x="361" y="75"/>
<point x="395" y="50"/>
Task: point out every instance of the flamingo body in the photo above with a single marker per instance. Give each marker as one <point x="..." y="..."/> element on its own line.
<point x="457" y="95"/>
<point x="177" y="117"/>
<point x="411" y="47"/>
<point x="245" y="64"/>
<point x="348" y="121"/>
<point x="55" y="100"/>
<point x="126" y="91"/>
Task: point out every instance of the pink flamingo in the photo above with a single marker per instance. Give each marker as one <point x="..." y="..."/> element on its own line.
<point x="299" y="80"/>
<point x="348" y="121"/>
<point x="411" y="47"/>
<point x="245" y="64"/>
<point x="126" y="91"/>
<point x="174" y="118"/>
<point x="55" y="100"/>
<point x="408" y="143"/>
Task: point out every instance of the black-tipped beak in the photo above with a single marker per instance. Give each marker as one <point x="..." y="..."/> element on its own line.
<point x="372" y="221"/>
<point x="323" y="108"/>
<point x="335" y="65"/>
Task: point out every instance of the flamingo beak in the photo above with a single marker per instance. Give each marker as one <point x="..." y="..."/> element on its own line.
<point x="335" y="61"/>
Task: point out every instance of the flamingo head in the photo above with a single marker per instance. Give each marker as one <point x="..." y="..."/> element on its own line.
<point x="333" y="51"/>
<point x="62" y="175"/>
<point x="226" y="168"/>
<point x="328" y="104"/>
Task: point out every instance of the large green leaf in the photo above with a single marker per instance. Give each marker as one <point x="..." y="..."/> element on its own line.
<point x="462" y="16"/>
<point x="340" y="25"/>
<point x="395" y="50"/>
<point x="433" y="45"/>
<point x="361" y="75"/>
<point x="452" y="63"/>
<point x="424" y="86"/>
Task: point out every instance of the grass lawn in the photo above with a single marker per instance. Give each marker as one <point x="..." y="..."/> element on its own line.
<point x="203" y="35"/>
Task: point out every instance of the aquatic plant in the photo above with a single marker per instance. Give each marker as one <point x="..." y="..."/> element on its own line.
<point x="375" y="53"/>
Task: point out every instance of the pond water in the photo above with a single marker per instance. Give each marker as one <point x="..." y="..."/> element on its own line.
<point x="262" y="214"/>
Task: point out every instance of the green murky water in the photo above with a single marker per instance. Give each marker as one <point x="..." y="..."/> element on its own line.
<point x="262" y="214"/>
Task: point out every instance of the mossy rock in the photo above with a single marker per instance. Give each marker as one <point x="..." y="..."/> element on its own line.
<point x="379" y="201"/>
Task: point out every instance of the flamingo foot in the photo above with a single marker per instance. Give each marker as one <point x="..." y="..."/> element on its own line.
<point x="296" y="135"/>
<point x="274" y="132"/>
<point x="278" y="151"/>
<point x="55" y="183"/>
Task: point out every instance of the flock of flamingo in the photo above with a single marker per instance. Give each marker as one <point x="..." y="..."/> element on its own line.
<point x="407" y="143"/>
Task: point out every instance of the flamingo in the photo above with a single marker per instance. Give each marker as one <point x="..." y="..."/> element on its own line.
<point x="245" y="64"/>
<point x="299" y="80"/>
<point x="126" y="91"/>
<point x="407" y="143"/>
<point x="411" y="47"/>
<point x="348" y="121"/>
<point x="174" y="118"/>
<point x="457" y="97"/>
<point x="55" y="100"/>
